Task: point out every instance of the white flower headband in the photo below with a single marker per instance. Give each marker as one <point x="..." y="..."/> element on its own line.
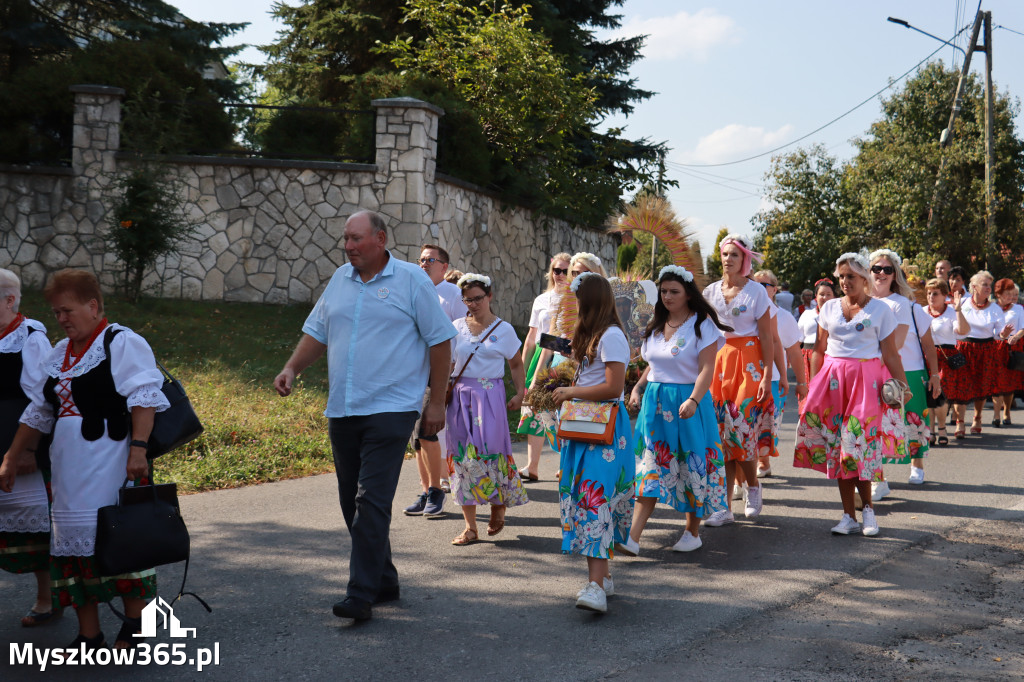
<point x="677" y="270"/>
<point x="579" y="280"/>
<point x="856" y="258"/>
<point x="738" y="238"/>
<point x="891" y="255"/>
<point x="473" y="277"/>
<point x="590" y="259"/>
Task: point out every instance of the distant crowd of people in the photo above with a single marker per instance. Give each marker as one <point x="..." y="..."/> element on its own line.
<point x="416" y="352"/>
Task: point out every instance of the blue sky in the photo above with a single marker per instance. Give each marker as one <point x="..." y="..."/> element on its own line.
<point x="738" y="78"/>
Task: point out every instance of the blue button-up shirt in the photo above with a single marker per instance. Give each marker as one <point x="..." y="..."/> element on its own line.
<point x="378" y="335"/>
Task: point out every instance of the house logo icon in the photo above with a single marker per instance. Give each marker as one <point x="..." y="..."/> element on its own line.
<point x="159" y="609"/>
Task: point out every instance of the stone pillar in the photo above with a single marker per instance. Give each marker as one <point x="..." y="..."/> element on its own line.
<point x="406" y="162"/>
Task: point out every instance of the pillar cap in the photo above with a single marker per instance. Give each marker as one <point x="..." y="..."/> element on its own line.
<point x="97" y="90"/>
<point x="407" y="103"/>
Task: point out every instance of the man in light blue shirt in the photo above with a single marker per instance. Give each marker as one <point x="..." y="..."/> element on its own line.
<point x="384" y="332"/>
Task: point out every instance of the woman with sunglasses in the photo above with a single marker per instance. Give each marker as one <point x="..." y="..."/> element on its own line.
<point x="540" y="426"/>
<point x="843" y="431"/>
<point x="808" y="322"/>
<point x="980" y="378"/>
<point x="742" y="384"/>
<point x="480" y="464"/>
<point x="913" y="335"/>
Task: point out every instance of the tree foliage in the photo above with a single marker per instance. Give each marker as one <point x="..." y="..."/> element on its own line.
<point x="713" y="262"/>
<point x="881" y="198"/>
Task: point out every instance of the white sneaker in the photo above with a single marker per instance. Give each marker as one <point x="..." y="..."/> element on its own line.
<point x="720" y="518"/>
<point x="739" y="491"/>
<point x="592" y="598"/>
<point x="870" y="522"/>
<point x="846" y="525"/>
<point x="916" y="475"/>
<point x="687" y="543"/>
<point x="754" y="503"/>
<point x="630" y="547"/>
<point x="609" y="587"/>
<point x="879" y="490"/>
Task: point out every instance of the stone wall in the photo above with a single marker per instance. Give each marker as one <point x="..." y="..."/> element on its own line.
<point x="270" y="231"/>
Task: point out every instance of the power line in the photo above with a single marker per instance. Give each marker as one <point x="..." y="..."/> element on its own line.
<point x="720" y="177"/>
<point x="819" y="129"/>
<point x="1010" y="30"/>
<point x="715" y="182"/>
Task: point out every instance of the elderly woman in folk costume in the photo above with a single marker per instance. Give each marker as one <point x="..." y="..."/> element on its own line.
<point x="1007" y="294"/>
<point x="25" y="509"/>
<point x="843" y="430"/>
<point x="742" y="385"/>
<point x="913" y="336"/>
<point x="479" y="448"/>
<point x="101" y="394"/>
<point x="536" y="427"/>
<point x="678" y="454"/>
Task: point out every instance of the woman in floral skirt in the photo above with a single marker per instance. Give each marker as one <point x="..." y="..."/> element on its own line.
<point x="742" y="383"/>
<point x="913" y="334"/>
<point x="596" y="485"/>
<point x="678" y="455"/>
<point x="480" y="462"/>
<point x="843" y="431"/>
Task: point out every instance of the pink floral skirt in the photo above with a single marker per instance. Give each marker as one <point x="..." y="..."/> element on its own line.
<point x="843" y="430"/>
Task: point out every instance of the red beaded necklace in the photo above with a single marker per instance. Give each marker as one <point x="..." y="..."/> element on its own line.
<point x="68" y="362"/>
<point x="18" y="319"/>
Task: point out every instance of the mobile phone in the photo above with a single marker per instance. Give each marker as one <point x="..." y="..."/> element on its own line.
<point x="555" y="343"/>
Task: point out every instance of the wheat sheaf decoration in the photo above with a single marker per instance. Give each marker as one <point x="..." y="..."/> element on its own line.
<point x="653" y="214"/>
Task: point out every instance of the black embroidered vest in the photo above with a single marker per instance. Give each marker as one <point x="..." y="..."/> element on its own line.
<point x="103" y="409"/>
<point x="13" y="400"/>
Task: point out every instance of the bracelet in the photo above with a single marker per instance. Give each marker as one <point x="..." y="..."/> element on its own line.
<point x="140" y="444"/>
<point x="691" y="398"/>
<point x="801" y="383"/>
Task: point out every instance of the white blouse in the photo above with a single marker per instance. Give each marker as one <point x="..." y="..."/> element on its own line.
<point x="500" y="345"/>
<point x="809" y="326"/>
<point x="789" y="334"/>
<point x="613" y="347"/>
<point x="26" y="509"/>
<point x="1014" y="316"/>
<point x="944" y="327"/>
<point x="540" y="315"/>
<point x="860" y="337"/>
<point x="675" y="360"/>
<point x="741" y="313"/>
<point x="903" y="308"/>
<point x="985" y="322"/>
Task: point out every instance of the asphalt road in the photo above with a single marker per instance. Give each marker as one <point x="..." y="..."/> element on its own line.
<point x="936" y="595"/>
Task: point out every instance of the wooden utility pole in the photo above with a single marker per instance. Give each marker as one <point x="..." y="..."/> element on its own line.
<point x="661" y="193"/>
<point x="990" y="154"/>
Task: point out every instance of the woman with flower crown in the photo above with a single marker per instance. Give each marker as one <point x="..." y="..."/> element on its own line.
<point x="742" y="384"/>
<point x="843" y="430"/>
<point x="596" y="486"/>
<point x="678" y="454"/>
<point x="913" y="337"/>
<point x="480" y="464"/>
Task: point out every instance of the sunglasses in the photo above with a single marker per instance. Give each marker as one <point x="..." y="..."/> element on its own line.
<point x="879" y="269"/>
<point x="769" y="284"/>
<point x="475" y="299"/>
<point x="560" y="271"/>
<point x="424" y="261"/>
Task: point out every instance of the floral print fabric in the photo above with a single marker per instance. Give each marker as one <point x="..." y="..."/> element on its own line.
<point x="746" y="427"/>
<point x="678" y="461"/>
<point x="480" y="465"/>
<point x="916" y="420"/>
<point x="596" y="492"/>
<point x="541" y="423"/>
<point x="843" y="430"/>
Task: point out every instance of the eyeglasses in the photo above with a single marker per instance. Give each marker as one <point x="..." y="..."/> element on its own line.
<point x="475" y="299"/>
<point x="424" y="261"/>
<point x="769" y="284"/>
<point x="879" y="269"/>
<point x="575" y="273"/>
<point x="560" y="271"/>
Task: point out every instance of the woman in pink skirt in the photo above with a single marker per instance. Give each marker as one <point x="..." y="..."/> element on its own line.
<point x="843" y="431"/>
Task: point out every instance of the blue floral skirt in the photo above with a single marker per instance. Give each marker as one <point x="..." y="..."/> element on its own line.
<point x="679" y="461"/>
<point x="596" y="492"/>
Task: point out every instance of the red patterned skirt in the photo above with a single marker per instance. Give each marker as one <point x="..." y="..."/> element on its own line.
<point x="806" y="352"/>
<point x="981" y="377"/>
<point x="1012" y="380"/>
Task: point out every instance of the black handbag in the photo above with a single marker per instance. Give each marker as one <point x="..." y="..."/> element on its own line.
<point x="956" y="360"/>
<point x="143" y="530"/>
<point x="176" y="425"/>
<point x="1016" y="361"/>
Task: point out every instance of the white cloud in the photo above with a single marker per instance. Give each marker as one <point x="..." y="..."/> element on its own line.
<point x="736" y="141"/>
<point x="683" y="35"/>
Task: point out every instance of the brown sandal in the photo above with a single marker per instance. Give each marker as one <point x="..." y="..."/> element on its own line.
<point x="468" y="537"/>
<point x="494" y="526"/>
